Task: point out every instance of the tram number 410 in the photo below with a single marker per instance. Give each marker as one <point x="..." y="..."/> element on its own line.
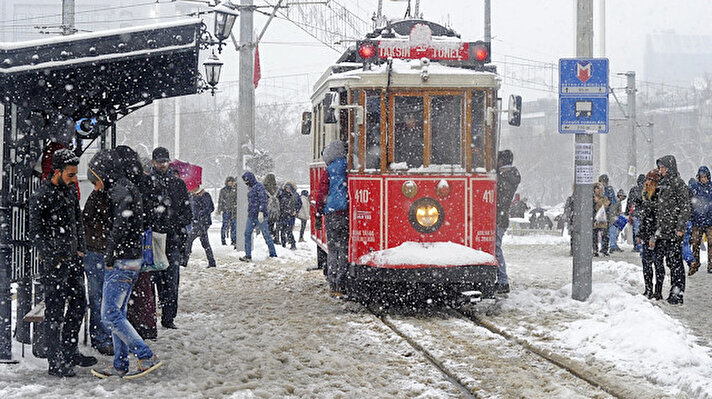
<point x="488" y="196"/>
<point x="362" y="196"/>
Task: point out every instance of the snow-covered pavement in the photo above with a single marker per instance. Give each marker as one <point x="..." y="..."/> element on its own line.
<point x="269" y="329"/>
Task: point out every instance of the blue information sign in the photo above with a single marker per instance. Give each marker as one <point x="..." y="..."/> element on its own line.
<point x="583" y="95"/>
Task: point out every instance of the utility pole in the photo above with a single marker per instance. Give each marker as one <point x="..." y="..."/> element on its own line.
<point x="603" y="138"/>
<point x="176" y="129"/>
<point x="488" y="21"/>
<point x="246" y="107"/>
<point x="632" y="155"/>
<point x="68" y="17"/>
<point x="583" y="197"/>
<point x="416" y="12"/>
<point x="651" y="141"/>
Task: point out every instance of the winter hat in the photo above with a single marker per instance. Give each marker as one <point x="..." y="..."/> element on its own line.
<point x="505" y="157"/>
<point x="621" y="194"/>
<point x="63" y="158"/>
<point x="603" y="179"/>
<point x="161" y="154"/>
<point x="230" y="179"/>
<point x="333" y="150"/>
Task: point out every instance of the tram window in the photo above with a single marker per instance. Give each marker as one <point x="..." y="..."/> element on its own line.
<point x="373" y="130"/>
<point x="408" y="137"/>
<point x="478" y="129"/>
<point x="355" y="134"/>
<point x="446" y="126"/>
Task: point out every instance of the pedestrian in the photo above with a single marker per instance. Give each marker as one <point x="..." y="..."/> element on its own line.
<point x="614" y="211"/>
<point x="141" y="310"/>
<point x="701" y="191"/>
<point x="646" y="237"/>
<point x="632" y="209"/>
<point x="202" y="206"/>
<point x="227" y="207"/>
<point x="600" y="219"/>
<point x="172" y="217"/>
<point x="96" y="217"/>
<point x="303" y="214"/>
<point x="289" y="205"/>
<point x="672" y="211"/>
<point x="270" y="183"/>
<point x="124" y="257"/>
<point x="609" y="191"/>
<point x="332" y="201"/>
<point x="57" y="231"/>
<point x="508" y="179"/>
<point x="519" y="207"/>
<point x="257" y="215"/>
<point x="569" y="216"/>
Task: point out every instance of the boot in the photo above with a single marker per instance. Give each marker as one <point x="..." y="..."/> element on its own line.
<point x="658" y="294"/>
<point x="648" y="290"/>
<point x="694" y="266"/>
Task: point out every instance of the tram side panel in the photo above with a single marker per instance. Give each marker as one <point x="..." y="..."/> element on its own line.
<point x="483" y="216"/>
<point x="315" y="174"/>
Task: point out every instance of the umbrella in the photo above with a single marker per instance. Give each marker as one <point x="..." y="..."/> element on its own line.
<point x="191" y="174"/>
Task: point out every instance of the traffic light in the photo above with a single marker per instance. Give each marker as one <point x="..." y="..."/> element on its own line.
<point x="480" y="52"/>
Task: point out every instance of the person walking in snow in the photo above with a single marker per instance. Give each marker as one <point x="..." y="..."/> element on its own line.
<point x="124" y="257"/>
<point x="202" y="205"/>
<point x="57" y="231"/>
<point x="332" y="201"/>
<point x="303" y="214"/>
<point x="289" y="205"/>
<point x="600" y="219"/>
<point x="257" y="215"/>
<point x="632" y="209"/>
<point x="646" y="235"/>
<point x="672" y="211"/>
<point x="172" y="217"/>
<point x="227" y="207"/>
<point x="508" y="180"/>
<point x="701" y="191"/>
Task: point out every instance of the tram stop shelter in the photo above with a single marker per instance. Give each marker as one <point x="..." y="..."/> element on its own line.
<point x="46" y="88"/>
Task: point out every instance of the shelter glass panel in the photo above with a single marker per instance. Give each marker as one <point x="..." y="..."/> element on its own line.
<point x="408" y="133"/>
<point x="446" y="127"/>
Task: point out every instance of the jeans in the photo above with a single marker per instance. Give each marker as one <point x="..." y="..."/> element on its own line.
<point x="202" y="233"/>
<point x="636" y="229"/>
<point x="337" y="239"/>
<point x="502" y="278"/>
<point x="613" y="232"/>
<point x="117" y="291"/>
<point x="302" y="228"/>
<point x="63" y="283"/>
<point x="94" y="269"/>
<point x="229" y="228"/>
<point x="249" y="228"/>
<point x="167" y="281"/>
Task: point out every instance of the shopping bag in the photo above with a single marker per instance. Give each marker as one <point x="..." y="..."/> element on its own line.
<point x="620" y="222"/>
<point x="159" y="260"/>
<point x="601" y="215"/>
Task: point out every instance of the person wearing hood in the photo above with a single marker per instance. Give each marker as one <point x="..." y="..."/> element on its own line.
<point x="257" y="215"/>
<point x="57" y="231"/>
<point x="273" y="207"/>
<point x="124" y="257"/>
<point x="303" y="214"/>
<point x="648" y="256"/>
<point x="227" y="207"/>
<point x="614" y="211"/>
<point x="632" y="209"/>
<point x="672" y="211"/>
<point x="172" y="217"/>
<point x="332" y="201"/>
<point x="508" y="179"/>
<point x="701" y="191"/>
<point x="202" y="205"/>
<point x="289" y="205"/>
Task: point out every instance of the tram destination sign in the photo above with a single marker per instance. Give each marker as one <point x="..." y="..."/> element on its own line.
<point x="404" y="49"/>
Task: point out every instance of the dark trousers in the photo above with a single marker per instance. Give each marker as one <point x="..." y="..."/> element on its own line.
<point x="302" y="228"/>
<point x="202" y="233"/>
<point x="337" y="236"/>
<point x="650" y="262"/>
<point x="670" y="251"/>
<point x="229" y="228"/>
<point x="604" y="240"/>
<point x="141" y="310"/>
<point x="63" y="283"/>
<point x="696" y="239"/>
<point x="167" y="281"/>
<point x="286" y="231"/>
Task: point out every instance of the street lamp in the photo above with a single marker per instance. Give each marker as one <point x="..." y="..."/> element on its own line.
<point x="225" y="15"/>
<point x="213" y="66"/>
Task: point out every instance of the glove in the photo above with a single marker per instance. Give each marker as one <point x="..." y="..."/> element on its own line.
<point x="317" y="223"/>
<point x="260" y="217"/>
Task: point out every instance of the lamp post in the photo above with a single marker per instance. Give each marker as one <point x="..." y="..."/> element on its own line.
<point x="213" y="67"/>
<point x="225" y="16"/>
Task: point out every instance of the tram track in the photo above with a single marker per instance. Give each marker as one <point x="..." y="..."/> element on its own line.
<point x="482" y="359"/>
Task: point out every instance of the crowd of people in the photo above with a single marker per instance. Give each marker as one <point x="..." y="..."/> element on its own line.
<point x="103" y="244"/>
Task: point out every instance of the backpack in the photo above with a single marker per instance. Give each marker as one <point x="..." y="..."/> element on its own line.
<point x="273" y="207"/>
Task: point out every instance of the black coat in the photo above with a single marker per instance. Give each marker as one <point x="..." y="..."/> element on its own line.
<point x="172" y="205"/>
<point x="289" y="202"/>
<point x="97" y="219"/>
<point x="56" y="227"/>
<point x="127" y="227"/>
<point x="508" y="179"/>
<point x="646" y="215"/>
<point x="202" y="205"/>
<point x="673" y="206"/>
<point x="635" y="198"/>
<point x="227" y="200"/>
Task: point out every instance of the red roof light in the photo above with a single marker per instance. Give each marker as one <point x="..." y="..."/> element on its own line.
<point x="481" y="53"/>
<point x="367" y="50"/>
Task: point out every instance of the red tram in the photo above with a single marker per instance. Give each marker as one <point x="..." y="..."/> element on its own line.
<point x="418" y="108"/>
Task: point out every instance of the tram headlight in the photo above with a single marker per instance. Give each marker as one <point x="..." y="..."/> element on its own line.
<point x="426" y="215"/>
<point x="409" y="189"/>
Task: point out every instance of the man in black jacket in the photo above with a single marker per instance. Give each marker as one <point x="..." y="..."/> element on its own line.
<point x="672" y="211"/>
<point x="508" y="179"/>
<point x="632" y="210"/>
<point x="227" y="207"/>
<point x="58" y="233"/>
<point x="172" y="216"/>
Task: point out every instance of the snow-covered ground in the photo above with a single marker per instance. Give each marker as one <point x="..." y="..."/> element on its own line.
<point x="269" y="329"/>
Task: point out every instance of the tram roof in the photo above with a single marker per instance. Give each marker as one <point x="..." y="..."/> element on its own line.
<point x="405" y="74"/>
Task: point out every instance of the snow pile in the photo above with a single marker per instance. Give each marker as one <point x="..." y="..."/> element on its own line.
<point x="427" y="253"/>
<point x="620" y="328"/>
